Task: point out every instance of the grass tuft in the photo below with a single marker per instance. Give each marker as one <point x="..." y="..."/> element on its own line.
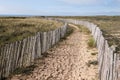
<point x="91" y="42"/>
<point x="94" y="62"/>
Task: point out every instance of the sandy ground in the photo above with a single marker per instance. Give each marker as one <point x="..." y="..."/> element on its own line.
<point x="66" y="61"/>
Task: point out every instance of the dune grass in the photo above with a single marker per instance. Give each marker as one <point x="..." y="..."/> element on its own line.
<point x="91" y="42"/>
<point x="13" y="29"/>
<point x="110" y="26"/>
<point x="83" y="29"/>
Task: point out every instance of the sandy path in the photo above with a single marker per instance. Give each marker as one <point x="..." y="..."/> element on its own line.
<point x="66" y="61"/>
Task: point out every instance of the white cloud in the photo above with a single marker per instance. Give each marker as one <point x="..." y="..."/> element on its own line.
<point x="81" y="2"/>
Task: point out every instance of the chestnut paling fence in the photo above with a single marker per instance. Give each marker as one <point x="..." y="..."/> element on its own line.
<point x="108" y="59"/>
<point x="23" y="53"/>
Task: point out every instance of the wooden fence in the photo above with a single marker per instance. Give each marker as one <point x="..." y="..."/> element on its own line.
<point x="109" y="60"/>
<point x="23" y="53"/>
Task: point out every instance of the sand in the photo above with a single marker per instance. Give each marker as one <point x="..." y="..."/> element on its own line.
<point x="68" y="60"/>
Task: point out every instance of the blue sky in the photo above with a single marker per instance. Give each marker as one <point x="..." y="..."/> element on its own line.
<point x="60" y="7"/>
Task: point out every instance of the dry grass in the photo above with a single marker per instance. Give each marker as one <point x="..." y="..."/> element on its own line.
<point x="12" y="29"/>
<point x="91" y="43"/>
<point x="83" y="29"/>
<point x="110" y="26"/>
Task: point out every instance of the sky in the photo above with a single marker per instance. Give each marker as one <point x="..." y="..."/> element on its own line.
<point x="60" y="7"/>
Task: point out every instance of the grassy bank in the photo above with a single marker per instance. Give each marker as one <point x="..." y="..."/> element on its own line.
<point x="13" y="29"/>
<point x="110" y="26"/>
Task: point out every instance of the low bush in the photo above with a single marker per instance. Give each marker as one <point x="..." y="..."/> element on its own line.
<point x="91" y="42"/>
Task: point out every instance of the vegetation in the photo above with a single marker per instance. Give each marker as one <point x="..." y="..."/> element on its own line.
<point x="17" y="28"/>
<point x="25" y="71"/>
<point x="68" y="32"/>
<point x="94" y="62"/>
<point x="91" y="42"/>
<point x="110" y="26"/>
<point x="83" y="29"/>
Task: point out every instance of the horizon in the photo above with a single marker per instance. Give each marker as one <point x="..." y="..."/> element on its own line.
<point x="27" y="15"/>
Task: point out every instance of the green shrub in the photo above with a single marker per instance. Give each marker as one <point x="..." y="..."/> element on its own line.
<point x="91" y="42"/>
